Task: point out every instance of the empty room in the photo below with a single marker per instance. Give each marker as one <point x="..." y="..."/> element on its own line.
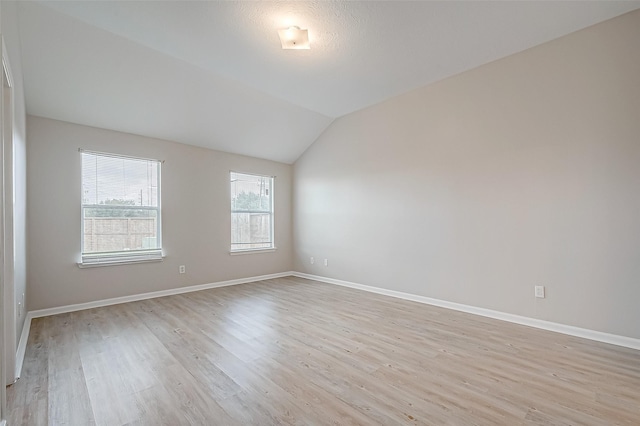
<point x="320" y="213"/>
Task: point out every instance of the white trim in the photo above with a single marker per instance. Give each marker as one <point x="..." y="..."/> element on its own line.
<point x="113" y="155"/>
<point x="143" y="296"/>
<point x="252" y="251"/>
<point x="598" y="336"/>
<point x="7" y="218"/>
<point x="251" y="174"/>
<point x="111" y="261"/>
<point x="22" y="345"/>
<point x="3" y="423"/>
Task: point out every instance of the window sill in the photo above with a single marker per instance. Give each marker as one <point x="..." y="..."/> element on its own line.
<point x="116" y="263"/>
<point x="252" y="251"/>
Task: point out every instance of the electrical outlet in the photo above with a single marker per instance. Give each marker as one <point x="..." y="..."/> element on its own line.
<point x="312" y="260"/>
<point x="182" y="269"/>
<point x="539" y="291"/>
<point x="326" y="262"/>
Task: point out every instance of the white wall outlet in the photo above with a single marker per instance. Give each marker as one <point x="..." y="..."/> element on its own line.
<point x="182" y="269"/>
<point x="312" y="260"/>
<point x="326" y="262"/>
<point x="539" y="290"/>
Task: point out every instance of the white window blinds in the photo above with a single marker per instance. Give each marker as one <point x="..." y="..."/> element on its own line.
<point x="251" y="212"/>
<point x="120" y="209"/>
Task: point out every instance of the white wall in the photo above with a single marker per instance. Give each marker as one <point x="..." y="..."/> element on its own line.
<point x="3" y="396"/>
<point x="522" y="172"/>
<point x="195" y="216"/>
<point x="12" y="41"/>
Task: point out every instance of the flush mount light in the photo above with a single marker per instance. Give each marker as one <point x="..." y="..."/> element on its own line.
<point x="294" y="38"/>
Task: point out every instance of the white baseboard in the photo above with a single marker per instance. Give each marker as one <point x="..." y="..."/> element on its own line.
<point x="517" y="319"/>
<point x="22" y="344"/>
<point x="143" y="296"/>
<point x="599" y="336"/>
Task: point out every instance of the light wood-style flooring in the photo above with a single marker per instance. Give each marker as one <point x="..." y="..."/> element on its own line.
<point x="294" y="351"/>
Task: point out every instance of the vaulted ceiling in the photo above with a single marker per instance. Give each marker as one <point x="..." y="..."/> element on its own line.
<point x="213" y="74"/>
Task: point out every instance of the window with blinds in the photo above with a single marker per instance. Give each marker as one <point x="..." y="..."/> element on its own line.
<point x="120" y="209"/>
<point x="251" y="212"/>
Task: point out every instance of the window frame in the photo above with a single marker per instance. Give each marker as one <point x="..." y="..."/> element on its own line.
<point x="124" y="257"/>
<point x="271" y="212"/>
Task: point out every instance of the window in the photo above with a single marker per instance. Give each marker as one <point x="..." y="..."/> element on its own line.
<point x="251" y="212"/>
<point x="120" y="209"/>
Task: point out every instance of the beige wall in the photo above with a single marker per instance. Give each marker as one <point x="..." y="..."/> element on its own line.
<point x="195" y="190"/>
<point x="522" y="172"/>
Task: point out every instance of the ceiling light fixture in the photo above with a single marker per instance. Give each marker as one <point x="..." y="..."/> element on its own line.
<point x="294" y="38"/>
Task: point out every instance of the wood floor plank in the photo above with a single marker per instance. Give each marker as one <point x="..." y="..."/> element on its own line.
<point x="68" y="396"/>
<point x="30" y="395"/>
<point x="291" y="351"/>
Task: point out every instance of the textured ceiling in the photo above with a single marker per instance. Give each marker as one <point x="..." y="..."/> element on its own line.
<point x="213" y="73"/>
